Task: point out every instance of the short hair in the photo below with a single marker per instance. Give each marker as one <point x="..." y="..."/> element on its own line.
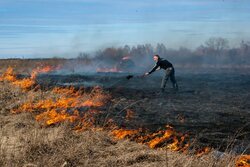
<point x="156" y="56"/>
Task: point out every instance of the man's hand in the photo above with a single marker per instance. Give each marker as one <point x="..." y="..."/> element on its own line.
<point x="146" y="74"/>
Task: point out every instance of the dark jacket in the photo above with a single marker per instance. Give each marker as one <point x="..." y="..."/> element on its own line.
<point x="162" y="63"/>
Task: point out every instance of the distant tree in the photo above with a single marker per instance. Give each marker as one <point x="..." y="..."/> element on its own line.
<point x="217" y="44"/>
<point x="83" y="55"/>
<point x="244" y="48"/>
<point x="127" y="49"/>
<point x="108" y="55"/>
<point x="149" y="49"/>
<point x="161" y="49"/>
<point x="200" y="51"/>
<point x="84" y="58"/>
<point x="244" y="51"/>
<point x="216" y="47"/>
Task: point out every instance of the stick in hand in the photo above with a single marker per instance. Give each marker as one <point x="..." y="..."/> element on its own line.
<point x="132" y="76"/>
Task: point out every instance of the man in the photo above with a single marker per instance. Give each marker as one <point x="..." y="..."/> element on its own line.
<point x="169" y="72"/>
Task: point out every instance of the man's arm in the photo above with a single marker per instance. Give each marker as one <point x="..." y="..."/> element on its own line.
<point x="156" y="67"/>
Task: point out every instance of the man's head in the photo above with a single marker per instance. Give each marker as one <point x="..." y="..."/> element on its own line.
<point x="156" y="58"/>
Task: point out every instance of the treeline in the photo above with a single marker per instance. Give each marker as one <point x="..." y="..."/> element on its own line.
<point x="214" y="52"/>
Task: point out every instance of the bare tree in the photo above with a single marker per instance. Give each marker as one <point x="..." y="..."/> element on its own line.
<point x="216" y="47"/>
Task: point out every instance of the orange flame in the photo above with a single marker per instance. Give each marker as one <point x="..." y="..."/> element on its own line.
<point x="25" y="83"/>
<point x="8" y="75"/>
<point x="121" y="134"/>
<point x="157" y="140"/>
<point x="40" y="70"/>
<point x="114" y="69"/>
<point x="66" y="107"/>
<point x="126" y="58"/>
<point x="167" y="138"/>
<point x="52" y="117"/>
<point x="65" y="104"/>
<point x="91" y="103"/>
<point x="203" y="151"/>
<point x="11" y="77"/>
<point x="243" y="161"/>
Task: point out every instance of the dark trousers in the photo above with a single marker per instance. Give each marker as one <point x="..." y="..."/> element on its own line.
<point x="169" y="73"/>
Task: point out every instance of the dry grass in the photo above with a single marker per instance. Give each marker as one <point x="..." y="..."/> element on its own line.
<point x="24" y="142"/>
<point x="25" y="65"/>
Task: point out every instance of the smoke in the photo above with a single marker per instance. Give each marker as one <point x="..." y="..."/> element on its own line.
<point x="213" y="54"/>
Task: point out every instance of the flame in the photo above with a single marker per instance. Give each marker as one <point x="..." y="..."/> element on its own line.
<point x="87" y="121"/>
<point x="203" y="151"/>
<point x="114" y="69"/>
<point x="243" y="161"/>
<point x="89" y="103"/>
<point x="52" y="117"/>
<point x="66" y="91"/>
<point x="11" y="77"/>
<point x="45" y="69"/>
<point x="25" y="83"/>
<point x="63" y="104"/>
<point x="121" y="133"/>
<point x="164" y="138"/>
<point x="157" y="140"/>
<point x="66" y="107"/>
<point x="126" y="58"/>
<point x="8" y="75"/>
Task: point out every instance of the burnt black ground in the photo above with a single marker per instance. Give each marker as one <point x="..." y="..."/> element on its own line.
<point x="214" y="109"/>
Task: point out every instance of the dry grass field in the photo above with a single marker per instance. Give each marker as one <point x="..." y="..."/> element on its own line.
<point x="44" y="122"/>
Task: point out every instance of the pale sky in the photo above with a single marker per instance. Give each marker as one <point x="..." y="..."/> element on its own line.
<point x="47" y="28"/>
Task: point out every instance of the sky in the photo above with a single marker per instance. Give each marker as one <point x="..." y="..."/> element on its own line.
<point x="63" y="28"/>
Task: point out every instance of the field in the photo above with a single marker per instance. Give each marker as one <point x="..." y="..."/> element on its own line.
<point x="124" y="122"/>
<point x="212" y="108"/>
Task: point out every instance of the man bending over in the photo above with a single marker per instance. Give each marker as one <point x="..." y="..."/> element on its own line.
<point x="169" y="71"/>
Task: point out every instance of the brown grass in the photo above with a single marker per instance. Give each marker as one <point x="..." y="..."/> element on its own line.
<point x="24" y="142"/>
<point x="24" y="66"/>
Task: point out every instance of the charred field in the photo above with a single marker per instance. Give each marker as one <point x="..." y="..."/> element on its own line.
<point x="124" y="122"/>
<point x="212" y="108"/>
